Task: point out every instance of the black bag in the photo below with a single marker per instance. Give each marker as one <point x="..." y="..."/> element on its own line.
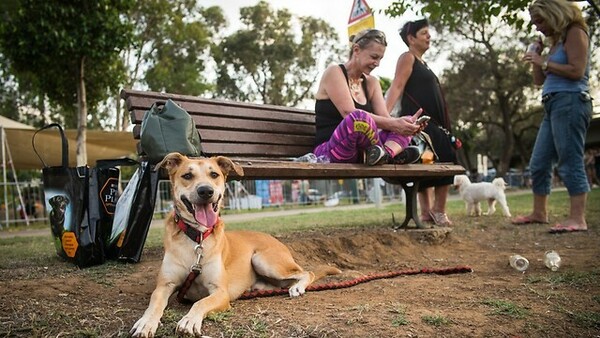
<point x="81" y="203"/>
<point x="423" y="141"/>
<point x="134" y="213"/>
<point x="109" y="198"/>
<point x="168" y="128"/>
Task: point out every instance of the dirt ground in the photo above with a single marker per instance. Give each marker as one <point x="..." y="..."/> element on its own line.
<point x="493" y="300"/>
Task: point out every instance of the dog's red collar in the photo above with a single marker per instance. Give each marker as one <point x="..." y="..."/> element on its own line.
<point x="193" y="233"/>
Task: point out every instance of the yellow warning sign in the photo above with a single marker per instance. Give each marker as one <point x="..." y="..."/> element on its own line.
<point x="361" y="17"/>
<point x="366" y="23"/>
<point x="69" y="243"/>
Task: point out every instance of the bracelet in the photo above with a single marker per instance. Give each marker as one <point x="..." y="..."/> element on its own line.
<point x="545" y="65"/>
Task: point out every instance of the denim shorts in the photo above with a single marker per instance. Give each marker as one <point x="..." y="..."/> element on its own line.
<point x="560" y="142"/>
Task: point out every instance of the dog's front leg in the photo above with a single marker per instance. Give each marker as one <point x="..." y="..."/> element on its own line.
<point x="171" y="275"/>
<point x="191" y="323"/>
<point x="491" y="207"/>
<point x="148" y="324"/>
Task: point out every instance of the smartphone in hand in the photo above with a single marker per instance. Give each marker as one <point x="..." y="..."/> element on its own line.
<point x="422" y="119"/>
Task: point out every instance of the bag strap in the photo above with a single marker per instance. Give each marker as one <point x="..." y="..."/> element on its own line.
<point x="444" y="129"/>
<point x="64" y="144"/>
<point x="109" y="163"/>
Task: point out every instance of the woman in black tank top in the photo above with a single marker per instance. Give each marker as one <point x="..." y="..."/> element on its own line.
<point x="418" y="88"/>
<point x="352" y="122"/>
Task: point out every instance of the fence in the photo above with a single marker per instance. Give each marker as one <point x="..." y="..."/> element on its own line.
<point x="21" y="203"/>
<point x="261" y="194"/>
<point x="240" y="195"/>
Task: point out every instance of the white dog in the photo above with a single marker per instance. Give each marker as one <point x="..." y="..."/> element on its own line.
<point x="473" y="193"/>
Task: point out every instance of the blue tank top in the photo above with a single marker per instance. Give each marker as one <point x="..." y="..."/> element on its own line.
<point x="555" y="83"/>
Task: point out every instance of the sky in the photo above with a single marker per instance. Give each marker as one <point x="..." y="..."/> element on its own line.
<point x="337" y="13"/>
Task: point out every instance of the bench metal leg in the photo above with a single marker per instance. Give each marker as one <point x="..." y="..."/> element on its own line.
<point x="411" y="189"/>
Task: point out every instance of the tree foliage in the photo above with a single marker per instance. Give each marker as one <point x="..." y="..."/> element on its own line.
<point x="451" y="14"/>
<point x="268" y="62"/>
<point x="176" y="37"/>
<point x="68" y="51"/>
<point x="490" y="99"/>
<point x="171" y="47"/>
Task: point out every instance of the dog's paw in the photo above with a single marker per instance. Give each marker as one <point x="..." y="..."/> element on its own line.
<point x="144" y="328"/>
<point x="190" y="325"/>
<point x="296" y="290"/>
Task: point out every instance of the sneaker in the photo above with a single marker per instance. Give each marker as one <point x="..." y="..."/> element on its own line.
<point x="376" y="155"/>
<point x="410" y="154"/>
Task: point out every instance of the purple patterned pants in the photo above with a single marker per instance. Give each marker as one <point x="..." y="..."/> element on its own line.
<point x="353" y="135"/>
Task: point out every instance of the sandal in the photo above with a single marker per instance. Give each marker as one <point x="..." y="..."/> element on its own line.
<point x="560" y="228"/>
<point x="522" y="220"/>
<point x="440" y="218"/>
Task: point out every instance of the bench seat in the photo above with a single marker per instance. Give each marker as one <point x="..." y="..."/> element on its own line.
<point x="264" y="140"/>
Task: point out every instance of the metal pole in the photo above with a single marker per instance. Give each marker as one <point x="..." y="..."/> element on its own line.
<point x="4" y="177"/>
<point x="12" y="166"/>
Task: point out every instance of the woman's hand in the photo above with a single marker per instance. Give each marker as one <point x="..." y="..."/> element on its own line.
<point x="405" y="125"/>
<point x="534" y="58"/>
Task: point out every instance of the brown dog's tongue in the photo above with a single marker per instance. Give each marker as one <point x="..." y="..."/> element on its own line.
<point x="205" y="215"/>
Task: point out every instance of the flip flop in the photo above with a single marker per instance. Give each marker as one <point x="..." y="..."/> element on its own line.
<point x="560" y="229"/>
<point x="522" y="220"/>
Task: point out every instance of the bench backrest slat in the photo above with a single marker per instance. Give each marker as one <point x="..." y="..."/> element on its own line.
<point x="236" y="128"/>
<point x="225" y="122"/>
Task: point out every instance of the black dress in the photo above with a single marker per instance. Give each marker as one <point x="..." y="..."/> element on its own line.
<point x="423" y="90"/>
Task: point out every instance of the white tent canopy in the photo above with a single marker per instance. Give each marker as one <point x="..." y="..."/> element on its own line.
<point x="17" y="150"/>
<point x="99" y="144"/>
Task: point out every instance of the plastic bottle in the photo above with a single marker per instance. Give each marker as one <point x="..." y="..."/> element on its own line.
<point x="518" y="262"/>
<point x="323" y="159"/>
<point x="533" y="48"/>
<point x="552" y="260"/>
<point x="310" y="158"/>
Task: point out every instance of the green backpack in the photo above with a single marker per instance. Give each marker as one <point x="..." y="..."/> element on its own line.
<point x="168" y="128"/>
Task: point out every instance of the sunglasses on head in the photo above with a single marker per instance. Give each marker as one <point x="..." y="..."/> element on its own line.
<point x="373" y="34"/>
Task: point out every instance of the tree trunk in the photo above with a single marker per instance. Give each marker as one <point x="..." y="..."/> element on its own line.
<point x="123" y="114"/>
<point x="82" y="117"/>
<point x="119" y="126"/>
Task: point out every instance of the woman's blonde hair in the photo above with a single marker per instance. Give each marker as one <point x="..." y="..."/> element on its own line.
<point x="363" y="38"/>
<point x="558" y="15"/>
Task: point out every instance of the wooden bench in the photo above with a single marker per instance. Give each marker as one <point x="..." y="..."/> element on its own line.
<point x="264" y="140"/>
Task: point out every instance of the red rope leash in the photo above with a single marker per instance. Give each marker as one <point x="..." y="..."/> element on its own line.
<point x="186" y="286"/>
<point x="356" y="281"/>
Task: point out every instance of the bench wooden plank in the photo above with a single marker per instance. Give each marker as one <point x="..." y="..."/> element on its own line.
<point x="218" y="107"/>
<point x="249" y="125"/>
<point x="258" y="169"/>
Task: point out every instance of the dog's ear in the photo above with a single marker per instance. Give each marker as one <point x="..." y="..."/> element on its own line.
<point x="171" y="161"/>
<point x="228" y="166"/>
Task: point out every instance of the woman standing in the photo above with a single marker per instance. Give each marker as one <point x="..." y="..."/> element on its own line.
<point x="419" y="88"/>
<point x="353" y="124"/>
<point x="564" y="74"/>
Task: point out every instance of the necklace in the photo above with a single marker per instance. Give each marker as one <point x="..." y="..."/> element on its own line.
<point x="355" y="85"/>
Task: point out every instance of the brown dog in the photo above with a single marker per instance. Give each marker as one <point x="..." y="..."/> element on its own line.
<point x="227" y="263"/>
